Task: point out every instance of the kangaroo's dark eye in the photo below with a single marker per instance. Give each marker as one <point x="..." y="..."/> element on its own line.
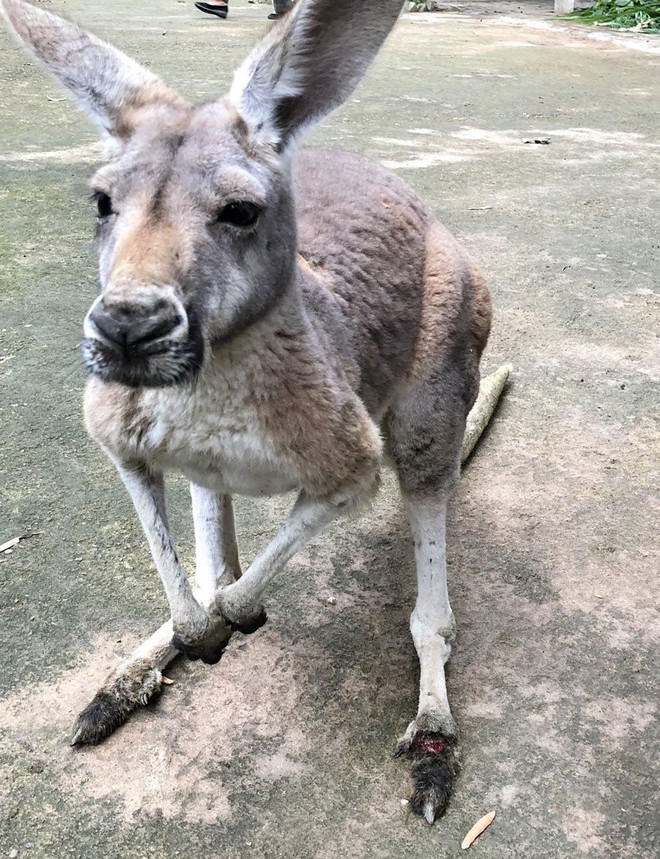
<point x="240" y="213"/>
<point x="103" y="204"/>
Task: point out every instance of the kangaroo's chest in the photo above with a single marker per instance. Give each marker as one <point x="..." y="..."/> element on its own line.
<point x="215" y="437"/>
<point x="270" y="418"/>
<point x="220" y="444"/>
<point x="227" y="453"/>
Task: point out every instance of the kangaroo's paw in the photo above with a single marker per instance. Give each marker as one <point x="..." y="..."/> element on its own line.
<point x="250" y="624"/>
<point x="112" y="705"/>
<point x="209" y="646"/>
<point x="434" y="757"/>
<point x="245" y="618"/>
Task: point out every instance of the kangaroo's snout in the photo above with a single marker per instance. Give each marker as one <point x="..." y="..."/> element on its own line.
<point x="141" y="336"/>
<point x="127" y="326"/>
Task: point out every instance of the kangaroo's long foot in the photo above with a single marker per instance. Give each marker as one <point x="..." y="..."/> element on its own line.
<point x="130" y="686"/>
<point x="434" y="757"/>
<point x="122" y="693"/>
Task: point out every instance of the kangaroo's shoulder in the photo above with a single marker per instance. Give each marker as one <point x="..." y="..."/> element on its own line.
<point x="338" y="180"/>
<point x="361" y="229"/>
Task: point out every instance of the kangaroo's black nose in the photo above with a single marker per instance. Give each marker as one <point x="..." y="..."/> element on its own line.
<point x="128" y="327"/>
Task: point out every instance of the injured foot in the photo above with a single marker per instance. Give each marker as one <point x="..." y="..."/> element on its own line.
<point x="434" y="759"/>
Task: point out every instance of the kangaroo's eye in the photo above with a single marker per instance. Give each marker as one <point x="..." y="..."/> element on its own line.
<point x="103" y="204"/>
<point x="240" y="213"/>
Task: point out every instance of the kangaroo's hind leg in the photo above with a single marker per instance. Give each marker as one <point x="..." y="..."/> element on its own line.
<point x="425" y="429"/>
<point x="431" y="738"/>
<point x="427" y="464"/>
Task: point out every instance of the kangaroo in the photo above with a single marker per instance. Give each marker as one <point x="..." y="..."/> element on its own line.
<point x="270" y="319"/>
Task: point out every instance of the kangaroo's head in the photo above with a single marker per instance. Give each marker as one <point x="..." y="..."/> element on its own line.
<point x="195" y="215"/>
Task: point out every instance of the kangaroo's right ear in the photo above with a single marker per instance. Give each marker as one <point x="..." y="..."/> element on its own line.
<point x="308" y="64"/>
<point x="109" y="85"/>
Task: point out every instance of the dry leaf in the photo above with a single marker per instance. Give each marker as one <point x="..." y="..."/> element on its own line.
<point x="166" y="681"/>
<point x="477" y="829"/>
<point x="6" y="547"/>
<point x="10" y="544"/>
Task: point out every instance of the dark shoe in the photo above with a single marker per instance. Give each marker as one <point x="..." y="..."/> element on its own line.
<point x="220" y="11"/>
<point x="273" y="16"/>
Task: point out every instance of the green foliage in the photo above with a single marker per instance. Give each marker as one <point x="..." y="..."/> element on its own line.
<point x="638" y="15"/>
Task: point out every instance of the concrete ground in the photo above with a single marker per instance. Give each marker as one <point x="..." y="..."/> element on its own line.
<point x="284" y="748"/>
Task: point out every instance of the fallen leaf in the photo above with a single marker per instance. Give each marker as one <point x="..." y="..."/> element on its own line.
<point x="477" y="829"/>
<point x="10" y="544"/>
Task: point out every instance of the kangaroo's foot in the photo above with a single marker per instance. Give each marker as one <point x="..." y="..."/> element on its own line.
<point x="130" y="686"/>
<point x="242" y="615"/>
<point x="122" y="693"/>
<point x="434" y="757"/>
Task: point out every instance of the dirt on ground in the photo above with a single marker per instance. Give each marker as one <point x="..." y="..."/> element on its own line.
<point x="284" y="749"/>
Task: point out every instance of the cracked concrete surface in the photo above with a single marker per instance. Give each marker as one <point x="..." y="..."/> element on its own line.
<point x="284" y="748"/>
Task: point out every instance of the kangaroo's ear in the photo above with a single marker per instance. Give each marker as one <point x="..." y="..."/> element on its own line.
<point x="309" y="63"/>
<point x="109" y="85"/>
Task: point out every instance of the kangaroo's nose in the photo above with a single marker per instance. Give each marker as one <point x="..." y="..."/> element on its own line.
<point x="127" y="326"/>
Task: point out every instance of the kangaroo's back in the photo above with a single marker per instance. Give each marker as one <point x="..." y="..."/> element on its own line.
<point x="387" y="282"/>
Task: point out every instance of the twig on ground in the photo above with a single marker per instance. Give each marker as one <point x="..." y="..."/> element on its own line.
<point x="10" y="544"/>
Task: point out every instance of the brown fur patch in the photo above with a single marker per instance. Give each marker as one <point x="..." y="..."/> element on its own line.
<point x="107" y="407"/>
<point x="317" y="271"/>
<point x="151" y="252"/>
<point x="132" y="113"/>
<point x="456" y="298"/>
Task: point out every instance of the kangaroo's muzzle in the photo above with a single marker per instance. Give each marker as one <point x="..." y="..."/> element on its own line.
<point x="141" y="336"/>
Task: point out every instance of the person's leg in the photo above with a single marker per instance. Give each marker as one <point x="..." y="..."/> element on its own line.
<point x="279" y="8"/>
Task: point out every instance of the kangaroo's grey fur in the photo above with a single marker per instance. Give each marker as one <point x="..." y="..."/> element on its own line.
<point x="269" y="320"/>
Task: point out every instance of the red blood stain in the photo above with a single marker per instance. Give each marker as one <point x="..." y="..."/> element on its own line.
<point x="426" y="745"/>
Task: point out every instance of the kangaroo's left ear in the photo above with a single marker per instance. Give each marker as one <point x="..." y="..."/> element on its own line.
<point x="108" y="84"/>
<point x="308" y="64"/>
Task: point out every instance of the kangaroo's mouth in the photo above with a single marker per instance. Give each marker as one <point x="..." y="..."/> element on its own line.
<point x="158" y="365"/>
